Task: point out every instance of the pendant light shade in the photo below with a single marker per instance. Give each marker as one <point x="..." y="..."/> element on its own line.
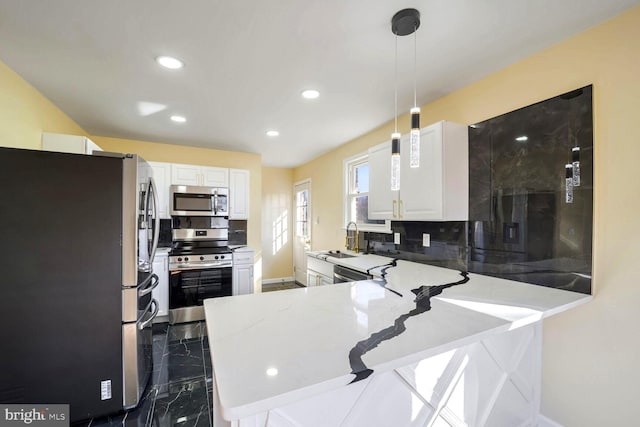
<point x="575" y="158"/>
<point x="414" y="153"/>
<point x="395" y="162"/>
<point x="568" y="183"/>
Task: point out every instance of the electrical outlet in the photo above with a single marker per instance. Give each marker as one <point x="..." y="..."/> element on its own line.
<point x="426" y="240"/>
<point x="396" y="238"/>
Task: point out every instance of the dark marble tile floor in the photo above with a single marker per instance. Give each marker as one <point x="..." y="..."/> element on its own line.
<point x="179" y="391"/>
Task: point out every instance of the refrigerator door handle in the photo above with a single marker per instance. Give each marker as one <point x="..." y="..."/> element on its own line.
<point x="156" y="227"/>
<point x="153" y="284"/>
<point x="146" y="323"/>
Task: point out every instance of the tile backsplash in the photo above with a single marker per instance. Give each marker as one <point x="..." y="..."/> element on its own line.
<point x="447" y="247"/>
<point x="522" y="223"/>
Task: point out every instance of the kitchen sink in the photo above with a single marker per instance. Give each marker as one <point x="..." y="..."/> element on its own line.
<point x="338" y="254"/>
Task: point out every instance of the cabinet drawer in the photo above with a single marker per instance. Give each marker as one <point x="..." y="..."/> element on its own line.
<point x="243" y="257"/>
<point x="323" y="267"/>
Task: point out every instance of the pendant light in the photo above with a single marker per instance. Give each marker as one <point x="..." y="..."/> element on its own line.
<point x="395" y="136"/>
<point x="403" y="23"/>
<point x="414" y="154"/>
<point x="568" y="188"/>
<point x="575" y="157"/>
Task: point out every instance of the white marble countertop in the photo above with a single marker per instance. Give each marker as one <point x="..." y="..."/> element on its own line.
<point x="275" y="348"/>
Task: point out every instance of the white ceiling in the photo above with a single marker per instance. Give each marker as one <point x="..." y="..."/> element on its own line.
<point x="248" y="60"/>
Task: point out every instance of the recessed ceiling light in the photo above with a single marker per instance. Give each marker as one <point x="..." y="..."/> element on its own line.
<point x="178" y="119"/>
<point x="169" y="62"/>
<point x="272" y="372"/>
<point x="310" y="94"/>
<point x="522" y="138"/>
<point x="272" y="133"/>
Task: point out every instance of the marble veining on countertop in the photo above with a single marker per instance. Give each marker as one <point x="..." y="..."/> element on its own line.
<point x="275" y="348"/>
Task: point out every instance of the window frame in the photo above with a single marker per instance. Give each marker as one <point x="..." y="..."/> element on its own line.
<point x="348" y="167"/>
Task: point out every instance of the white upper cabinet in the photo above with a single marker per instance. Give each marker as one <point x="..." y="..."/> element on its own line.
<point x="162" y="178"/>
<point x="382" y="201"/>
<point x="68" y="143"/>
<point x="239" y="194"/>
<point x="199" y="175"/>
<point x="438" y="190"/>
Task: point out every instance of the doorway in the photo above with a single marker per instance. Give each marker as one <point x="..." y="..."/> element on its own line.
<point x="302" y="239"/>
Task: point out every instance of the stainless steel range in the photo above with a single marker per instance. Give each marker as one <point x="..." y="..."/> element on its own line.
<point x="200" y="265"/>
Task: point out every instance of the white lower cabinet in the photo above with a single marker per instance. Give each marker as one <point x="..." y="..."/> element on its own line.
<point x="316" y="279"/>
<point x="161" y="292"/>
<point x="242" y="274"/>
<point x="438" y="190"/>
<point x="319" y="272"/>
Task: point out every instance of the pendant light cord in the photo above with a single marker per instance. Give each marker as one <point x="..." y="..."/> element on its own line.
<point x="415" y="65"/>
<point x="395" y="115"/>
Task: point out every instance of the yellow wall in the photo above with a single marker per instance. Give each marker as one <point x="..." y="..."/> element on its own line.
<point x="277" y="220"/>
<point x="25" y="113"/>
<point x="157" y="152"/>
<point x="590" y="356"/>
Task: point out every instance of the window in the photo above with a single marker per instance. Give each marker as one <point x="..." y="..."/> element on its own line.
<point x="302" y="213"/>
<point x="356" y="200"/>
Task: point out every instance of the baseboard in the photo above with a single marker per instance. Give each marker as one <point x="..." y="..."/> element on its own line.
<point x="277" y="280"/>
<point x="547" y="422"/>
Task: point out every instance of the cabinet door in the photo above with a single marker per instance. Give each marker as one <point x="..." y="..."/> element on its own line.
<point x="313" y="278"/>
<point x="381" y="198"/>
<point x="161" y="292"/>
<point x="214" y="177"/>
<point x="242" y="279"/>
<point x="185" y="175"/>
<point x="238" y="194"/>
<point x="421" y="188"/>
<point x="162" y="177"/>
<point x="324" y="280"/>
<point x="63" y="143"/>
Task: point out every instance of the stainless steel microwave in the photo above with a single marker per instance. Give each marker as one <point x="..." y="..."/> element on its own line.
<point x="199" y="201"/>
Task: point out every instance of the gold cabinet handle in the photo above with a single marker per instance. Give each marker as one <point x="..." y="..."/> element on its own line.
<point x="400" y="209"/>
<point x="394" y="208"/>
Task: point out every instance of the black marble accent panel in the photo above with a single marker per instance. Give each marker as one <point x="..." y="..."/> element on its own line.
<point x="448" y="246"/>
<point x="521" y="225"/>
<point x="237" y="232"/>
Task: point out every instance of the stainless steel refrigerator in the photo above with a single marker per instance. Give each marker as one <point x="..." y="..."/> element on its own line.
<point x="78" y="238"/>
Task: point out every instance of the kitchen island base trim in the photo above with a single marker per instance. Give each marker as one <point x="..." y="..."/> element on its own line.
<point x="495" y="381"/>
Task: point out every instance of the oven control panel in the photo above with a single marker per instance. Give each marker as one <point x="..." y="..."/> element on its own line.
<point x="190" y="262"/>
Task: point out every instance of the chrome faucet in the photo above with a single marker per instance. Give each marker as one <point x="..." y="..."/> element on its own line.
<point x="355" y="238"/>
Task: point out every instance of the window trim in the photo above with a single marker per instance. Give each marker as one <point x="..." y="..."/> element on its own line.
<point x="347" y="165"/>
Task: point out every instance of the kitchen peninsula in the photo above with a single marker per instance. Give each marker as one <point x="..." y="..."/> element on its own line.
<point x="416" y="343"/>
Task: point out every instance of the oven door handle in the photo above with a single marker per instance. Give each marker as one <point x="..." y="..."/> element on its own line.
<point x="146" y="323"/>
<point x="153" y="284"/>
<point x="199" y="266"/>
